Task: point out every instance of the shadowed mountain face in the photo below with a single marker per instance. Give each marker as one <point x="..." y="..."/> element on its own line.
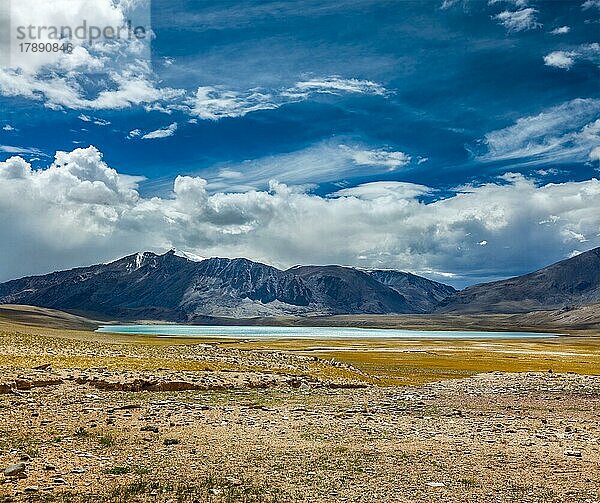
<point x="170" y="287"/>
<point x="422" y="294"/>
<point x="572" y="281"/>
<point x="343" y="289"/>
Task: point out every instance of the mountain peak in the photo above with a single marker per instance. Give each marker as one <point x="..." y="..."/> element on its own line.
<point x="186" y="255"/>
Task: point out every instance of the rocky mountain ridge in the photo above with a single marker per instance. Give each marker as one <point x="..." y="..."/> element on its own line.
<point x="172" y="287"/>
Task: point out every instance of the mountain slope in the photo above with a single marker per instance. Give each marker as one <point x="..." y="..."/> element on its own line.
<point x="337" y="289"/>
<point x="174" y="288"/>
<point x="140" y="285"/>
<point x="571" y="281"/>
<point x="422" y="294"/>
<point x="242" y="288"/>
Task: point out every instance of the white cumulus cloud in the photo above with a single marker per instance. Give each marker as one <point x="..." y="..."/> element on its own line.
<point x="566" y="59"/>
<point x="519" y="20"/>
<point x="108" y="74"/>
<point x="560" y="59"/>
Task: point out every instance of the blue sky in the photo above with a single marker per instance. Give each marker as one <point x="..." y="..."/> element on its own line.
<point x="324" y="97"/>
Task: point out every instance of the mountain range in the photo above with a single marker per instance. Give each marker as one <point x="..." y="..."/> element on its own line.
<point x="172" y="287"/>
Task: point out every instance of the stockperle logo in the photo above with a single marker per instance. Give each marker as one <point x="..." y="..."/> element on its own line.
<point x="75" y="35"/>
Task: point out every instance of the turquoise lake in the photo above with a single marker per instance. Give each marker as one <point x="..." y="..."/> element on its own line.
<point x="321" y="333"/>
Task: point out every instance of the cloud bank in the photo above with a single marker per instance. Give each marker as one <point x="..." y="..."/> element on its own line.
<point x="80" y="211"/>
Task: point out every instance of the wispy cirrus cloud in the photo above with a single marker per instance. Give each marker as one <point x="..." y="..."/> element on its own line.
<point x="380" y="157"/>
<point x="94" y="120"/>
<point x="127" y="89"/>
<point x="563" y="133"/>
<point x="11" y="149"/>
<point x="448" y="4"/>
<point x="321" y="163"/>
<point x="215" y="103"/>
<point x="335" y="85"/>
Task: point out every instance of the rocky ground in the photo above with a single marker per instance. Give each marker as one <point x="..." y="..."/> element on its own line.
<point x="88" y="417"/>
<point x="185" y="436"/>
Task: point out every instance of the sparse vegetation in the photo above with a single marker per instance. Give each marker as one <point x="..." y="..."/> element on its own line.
<point x="107" y="440"/>
<point x="81" y="432"/>
<point x="117" y="470"/>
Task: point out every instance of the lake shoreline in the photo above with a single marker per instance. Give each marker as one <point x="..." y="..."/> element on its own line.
<point x="246" y="332"/>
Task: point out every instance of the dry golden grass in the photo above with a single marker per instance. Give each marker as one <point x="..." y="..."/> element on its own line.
<point x="415" y="362"/>
<point x="390" y="362"/>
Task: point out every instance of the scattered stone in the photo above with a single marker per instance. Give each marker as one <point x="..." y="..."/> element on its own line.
<point x="233" y="481"/>
<point x="23" y="384"/>
<point x="573" y="452"/>
<point x="7" y="387"/>
<point x="15" y="470"/>
<point x="436" y="484"/>
<point x="130" y="406"/>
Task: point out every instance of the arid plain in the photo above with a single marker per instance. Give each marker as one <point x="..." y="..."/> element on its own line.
<point x="98" y="417"/>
